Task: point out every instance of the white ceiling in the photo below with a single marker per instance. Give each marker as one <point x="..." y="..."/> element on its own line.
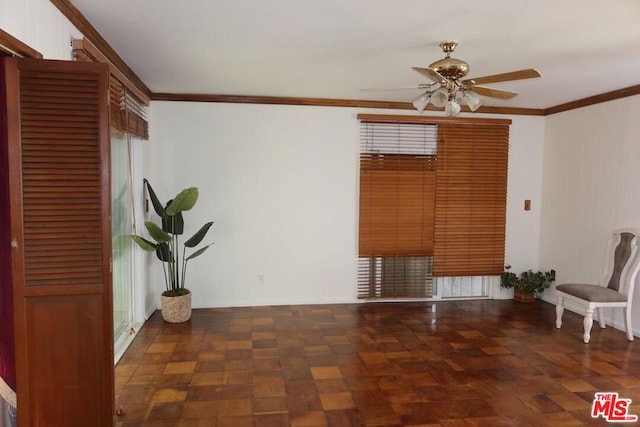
<point x="333" y="48"/>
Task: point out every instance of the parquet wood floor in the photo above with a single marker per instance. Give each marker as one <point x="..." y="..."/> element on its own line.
<point x="453" y="363"/>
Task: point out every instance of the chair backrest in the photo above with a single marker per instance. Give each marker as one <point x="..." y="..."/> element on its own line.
<point x="623" y="261"/>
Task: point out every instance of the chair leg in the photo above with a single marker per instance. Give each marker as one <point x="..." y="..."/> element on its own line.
<point x="588" y="323"/>
<point x="559" y="311"/>
<point x="601" y="317"/>
<point x="627" y="321"/>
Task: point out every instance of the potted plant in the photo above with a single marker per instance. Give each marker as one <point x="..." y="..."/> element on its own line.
<point x="527" y="284"/>
<point x="176" y="299"/>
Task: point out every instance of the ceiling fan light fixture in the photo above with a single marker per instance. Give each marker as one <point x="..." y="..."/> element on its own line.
<point x="473" y="100"/>
<point x="452" y="108"/>
<point x="421" y="101"/>
<point x="448" y="87"/>
<point x="440" y="97"/>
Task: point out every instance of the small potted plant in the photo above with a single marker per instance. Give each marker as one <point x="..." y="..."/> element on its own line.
<point x="527" y="284"/>
<point x="176" y="299"/>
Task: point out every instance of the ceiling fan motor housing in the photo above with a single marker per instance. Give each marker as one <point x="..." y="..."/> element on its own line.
<point x="450" y="68"/>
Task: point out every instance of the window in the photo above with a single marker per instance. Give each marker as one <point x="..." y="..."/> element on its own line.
<point x="397" y="183"/>
<point x="128" y="124"/>
<point x="432" y="202"/>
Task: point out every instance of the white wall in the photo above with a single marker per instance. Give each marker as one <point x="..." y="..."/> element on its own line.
<point x="281" y="184"/>
<point x="40" y="25"/>
<point x="590" y="187"/>
<point x="525" y="183"/>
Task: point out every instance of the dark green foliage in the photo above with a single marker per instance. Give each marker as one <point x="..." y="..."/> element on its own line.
<point x="528" y="281"/>
<point x="166" y="236"/>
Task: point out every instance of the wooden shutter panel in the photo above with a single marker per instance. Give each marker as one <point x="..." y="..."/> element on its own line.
<point x="471" y="199"/>
<point x="60" y="206"/>
<point x="7" y="341"/>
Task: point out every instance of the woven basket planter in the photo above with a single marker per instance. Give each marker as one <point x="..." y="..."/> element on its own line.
<point x="176" y="309"/>
<point x="520" y="296"/>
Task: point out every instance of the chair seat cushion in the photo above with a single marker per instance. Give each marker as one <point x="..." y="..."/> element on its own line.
<point x="591" y="293"/>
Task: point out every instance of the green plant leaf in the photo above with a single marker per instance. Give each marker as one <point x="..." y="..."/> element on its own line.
<point x="197" y="238"/>
<point x="163" y="252"/>
<point x="144" y="243"/>
<point x="157" y="206"/>
<point x="508" y="279"/>
<point x="156" y="232"/>
<point x="198" y="252"/>
<point x="183" y="201"/>
<point x="173" y="224"/>
<point x="166" y="235"/>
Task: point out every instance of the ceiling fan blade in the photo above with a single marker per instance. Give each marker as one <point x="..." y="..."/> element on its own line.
<point x="429" y="73"/>
<point x="391" y="89"/>
<point x="503" y="77"/>
<point x="493" y="93"/>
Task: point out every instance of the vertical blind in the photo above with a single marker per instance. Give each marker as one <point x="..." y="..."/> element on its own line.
<point x="431" y="188"/>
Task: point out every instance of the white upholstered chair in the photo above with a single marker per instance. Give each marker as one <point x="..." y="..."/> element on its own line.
<point x="614" y="290"/>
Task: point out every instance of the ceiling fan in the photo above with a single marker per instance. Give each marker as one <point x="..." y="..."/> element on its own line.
<point x="449" y="90"/>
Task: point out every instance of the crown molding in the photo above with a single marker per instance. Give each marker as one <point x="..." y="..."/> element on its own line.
<point x="596" y="99"/>
<point x="13" y="46"/>
<point x="280" y="100"/>
<point x="91" y="33"/>
<point x="325" y="102"/>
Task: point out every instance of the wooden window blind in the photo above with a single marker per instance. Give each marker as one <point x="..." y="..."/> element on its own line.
<point x="397" y="178"/>
<point x="127" y="104"/>
<point x="127" y="113"/>
<point x="471" y="199"/>
<point x="135" y="113"/>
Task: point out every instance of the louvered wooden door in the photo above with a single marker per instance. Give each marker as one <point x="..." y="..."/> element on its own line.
<point x="57" y="121"/>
